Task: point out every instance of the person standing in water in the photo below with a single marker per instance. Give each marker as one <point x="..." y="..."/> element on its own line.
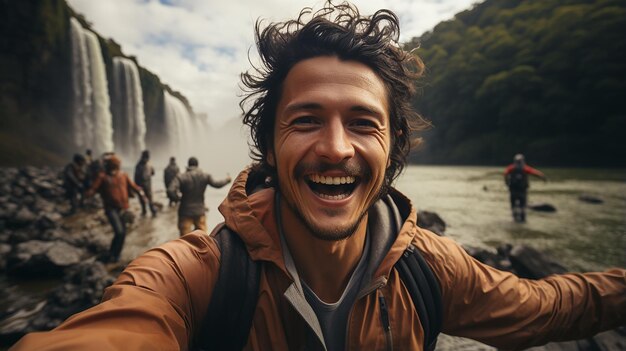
<point x="516" y="178"/>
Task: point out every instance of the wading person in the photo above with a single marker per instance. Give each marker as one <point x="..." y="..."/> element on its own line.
<point x="169" y="173"/>
<point x="113" y="185"/>
<point x="143" y="177"/>
<point x="336" y="260"/>
<point x="188" y="188"/>
<point x="516" y="179"/>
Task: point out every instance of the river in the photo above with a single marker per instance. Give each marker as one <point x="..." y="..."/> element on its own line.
<point x="473" y="201"/>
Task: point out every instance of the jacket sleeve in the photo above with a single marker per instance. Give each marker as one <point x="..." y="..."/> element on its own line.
<point x="155" y="304"/>
<point x="95" y="185"/>
<point x="132" y="186"/>
<point x="505" y="311"/>
<point x="533" y="171"/>
<point x="217" y="183"/>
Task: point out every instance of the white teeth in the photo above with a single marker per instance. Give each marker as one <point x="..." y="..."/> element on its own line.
<point x="332" y="197"/>
<point x="316" y="178"/>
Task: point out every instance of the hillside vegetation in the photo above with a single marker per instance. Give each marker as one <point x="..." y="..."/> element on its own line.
<point x="545" y="78"/>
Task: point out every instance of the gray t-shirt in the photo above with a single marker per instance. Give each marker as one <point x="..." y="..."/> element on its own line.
<point x="333" y="317"/>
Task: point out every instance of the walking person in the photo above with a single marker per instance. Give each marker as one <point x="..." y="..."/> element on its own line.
<point x="73" y="182"/>
<point x="143" y="177"/>
<point x="114" y="186"/>
<point x="516" y="179"/>
<point x="188" y="188"/>
<point x="170" y="172"/>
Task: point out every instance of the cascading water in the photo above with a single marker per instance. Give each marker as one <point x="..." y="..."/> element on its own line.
<point x="92" y="117"/>
<point x="130" y="121"/>
<point x="186" y="135"/>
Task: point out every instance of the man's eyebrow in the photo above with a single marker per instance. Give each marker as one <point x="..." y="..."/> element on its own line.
<point x="367" y="109"/>
<point x="303" y="106"/>
<point x="315" y="106"/>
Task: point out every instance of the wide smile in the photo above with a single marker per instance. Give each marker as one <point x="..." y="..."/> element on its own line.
<point x="332" y="187"/>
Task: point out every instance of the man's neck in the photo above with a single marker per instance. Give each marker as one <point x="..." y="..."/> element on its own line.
<point x="325" y="266"/>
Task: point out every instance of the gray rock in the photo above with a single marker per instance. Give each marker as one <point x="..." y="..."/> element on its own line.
<point x="590" y="199"/>
<point x="431" y="221"/>
<point x="531" y="263"/>
<point x="545" y="207"/>
<point x="36" y="257"/>
<point x="23" y="217"/>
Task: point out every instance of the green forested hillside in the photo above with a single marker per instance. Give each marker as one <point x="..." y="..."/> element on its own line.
<point x="542" y="77"/>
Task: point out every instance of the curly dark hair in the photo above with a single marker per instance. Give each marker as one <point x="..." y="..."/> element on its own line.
<point x="335" y="30"/>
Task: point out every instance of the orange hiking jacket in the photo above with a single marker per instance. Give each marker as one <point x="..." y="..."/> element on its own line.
<point x="114" y="189"/>
<point x="160" y="299"/>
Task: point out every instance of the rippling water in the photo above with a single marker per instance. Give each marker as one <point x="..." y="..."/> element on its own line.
<point x="475" y="205"/>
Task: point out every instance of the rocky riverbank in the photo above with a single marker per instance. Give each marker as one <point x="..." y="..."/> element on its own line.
<point x="37" y="242"/>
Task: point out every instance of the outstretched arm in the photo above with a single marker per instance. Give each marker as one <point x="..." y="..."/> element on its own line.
<point x="503" y="310"/>
<point x="217" y="183"/>
<point x="535" y="172"/>
<point x="157" y="303"/>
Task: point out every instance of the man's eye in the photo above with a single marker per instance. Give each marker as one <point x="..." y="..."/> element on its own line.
<point x="304" y="120"/>
<point x="364" y="123"/>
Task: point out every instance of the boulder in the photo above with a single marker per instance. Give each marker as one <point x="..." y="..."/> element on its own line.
<point x="544" y="207"/>
<point x="83" y="286"/>
<point x="533" y="264"/>
<point x="22" y="218"/>
<point x="431" y="221"/>
<point x="36" y="257"/>
<point x="590" y="199"/>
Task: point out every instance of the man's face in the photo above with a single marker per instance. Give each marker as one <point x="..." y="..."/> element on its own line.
<point x="331" y="143"/>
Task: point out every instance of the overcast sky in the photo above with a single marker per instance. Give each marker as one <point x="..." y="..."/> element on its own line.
<point x="199" y="47"/>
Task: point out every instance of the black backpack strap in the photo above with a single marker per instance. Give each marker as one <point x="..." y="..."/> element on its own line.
<point x="424" y="289"/>
<point x="228" y="319"/>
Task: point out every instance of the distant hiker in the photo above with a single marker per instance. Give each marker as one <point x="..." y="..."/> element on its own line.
<point x="73" y="182"/>
<point x="191" y="186"/>
<point x="516" y="178"/>
<point x="143" y="174"/>
<point x="114" y="185"/>
<point x="170" y="172"/>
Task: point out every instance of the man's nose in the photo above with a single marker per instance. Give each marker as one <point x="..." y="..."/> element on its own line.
<point x="335" y="144"/>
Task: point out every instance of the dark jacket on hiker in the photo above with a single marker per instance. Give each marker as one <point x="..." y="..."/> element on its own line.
<point x="162" y="307"/>
<point x="170" y="172"/>
<point x="73" y="177"/>
<point x="191" y="186"/>
<point x="143" y="175"/>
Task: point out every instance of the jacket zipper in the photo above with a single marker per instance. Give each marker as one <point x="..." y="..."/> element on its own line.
<point x="384" y="317"/>
<point x="376" y="284"/>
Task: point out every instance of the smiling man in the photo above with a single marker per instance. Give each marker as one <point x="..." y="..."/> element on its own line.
<point x="326" y="253"/>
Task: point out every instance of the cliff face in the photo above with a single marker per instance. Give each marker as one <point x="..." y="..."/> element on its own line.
<point x="36" y="92"/>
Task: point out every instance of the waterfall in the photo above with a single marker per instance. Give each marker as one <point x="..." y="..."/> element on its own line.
<point x="130" y="122"/>
<point x="186" y="135"/>
<point x="91" y="115"/>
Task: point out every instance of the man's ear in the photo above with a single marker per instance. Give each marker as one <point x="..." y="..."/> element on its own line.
<point x="270" y="158"/>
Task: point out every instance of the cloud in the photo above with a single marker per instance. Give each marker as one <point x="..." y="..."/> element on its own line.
<point x="200" y="47"/>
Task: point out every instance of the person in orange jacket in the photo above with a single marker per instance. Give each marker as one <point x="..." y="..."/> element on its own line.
<point x="516" y="179"/>
<point x="331" y="123"/>
<point x="114" y="185"/>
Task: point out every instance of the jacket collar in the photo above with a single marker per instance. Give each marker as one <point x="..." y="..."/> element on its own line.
<point x="392" y="222"/>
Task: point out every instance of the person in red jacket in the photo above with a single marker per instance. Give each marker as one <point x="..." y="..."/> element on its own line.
<point x="114" y="185"/>
<point x="516" y="178"/>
